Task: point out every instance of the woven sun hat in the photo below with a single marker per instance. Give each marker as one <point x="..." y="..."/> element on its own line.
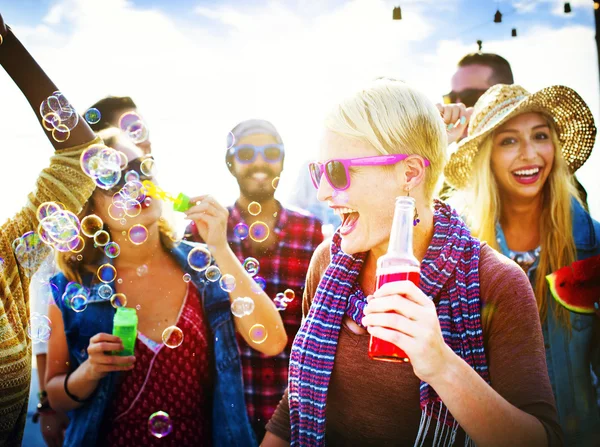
<point x="571" y="116"/>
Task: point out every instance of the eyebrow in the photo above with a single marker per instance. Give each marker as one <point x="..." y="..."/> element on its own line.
<point x="539" y="126"/>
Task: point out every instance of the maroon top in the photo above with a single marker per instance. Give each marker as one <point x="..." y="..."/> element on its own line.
<point x="177" y="381"/>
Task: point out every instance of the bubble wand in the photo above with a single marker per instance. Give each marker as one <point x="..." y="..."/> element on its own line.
<point x="180" y="203"/>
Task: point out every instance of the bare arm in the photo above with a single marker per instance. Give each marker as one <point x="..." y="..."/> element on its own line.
<point x="271" y="440"/>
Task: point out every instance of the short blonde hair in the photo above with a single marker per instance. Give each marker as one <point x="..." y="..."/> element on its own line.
<point x="394" y="118"/>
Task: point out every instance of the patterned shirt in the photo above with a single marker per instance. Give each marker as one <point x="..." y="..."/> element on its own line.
<point x="283" y="266"/>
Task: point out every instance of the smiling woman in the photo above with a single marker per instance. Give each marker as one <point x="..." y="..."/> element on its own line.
<point x="515" y="170"/>
<point x="337" y="395"/>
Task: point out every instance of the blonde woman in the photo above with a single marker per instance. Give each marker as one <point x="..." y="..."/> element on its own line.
<point x="470" y="378"/>
<point x="197" y="382"/>
<point x="515" y="172"/>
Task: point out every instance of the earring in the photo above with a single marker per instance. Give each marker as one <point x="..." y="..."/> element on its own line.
<point x="416" y="219"/>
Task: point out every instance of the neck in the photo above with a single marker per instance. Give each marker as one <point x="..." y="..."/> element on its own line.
<point x="268" y="207"/>
<point x="422" y="234"/>
<point x="132" y="256"/>
<point x="521" y="213"/>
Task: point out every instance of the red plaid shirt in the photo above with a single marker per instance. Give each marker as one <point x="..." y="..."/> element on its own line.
<point x="283" y="267"/>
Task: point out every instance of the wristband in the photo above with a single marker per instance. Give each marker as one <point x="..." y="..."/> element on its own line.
<point x="72" y="396"/>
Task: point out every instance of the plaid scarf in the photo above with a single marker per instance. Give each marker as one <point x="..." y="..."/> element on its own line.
<point x="449" y="271"/>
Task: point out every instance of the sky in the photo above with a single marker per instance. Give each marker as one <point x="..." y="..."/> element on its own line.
<point x="197" y="68"/>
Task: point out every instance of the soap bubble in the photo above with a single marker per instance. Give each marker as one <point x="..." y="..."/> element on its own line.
<point x="241" y="231"/>
<point x="30" y="251"/>
<point x="77" y="245"/>
<point x="248" y="304"/>
<point x="227" y="283"/>
<point x="251" y="266"/>
<point x="47" y="209"/>
<point x="230" y="140"/>
<point x="147" y="167"/>
<point x="106" y="273"/>
<point x="237" y="307"/>
<point x="187" y="277"/>
<point x="105" y="291"/>
<point x="39" y="328"/>
<point x="78" y="303"/>
<point x="159" y="424"/>
<point x="289" y="295"/>
<point x="138" y="234"/>
<point x="132" y="208"/>
<point x="118" y="300"/>
<point x="172" y="337"/>
<point x="259" y="284"/>
<point x="92" y="116"/>
<point x="101" y="238"/>
<point x="199" y="258"/>
<point x="259" y="231"/>
<point x="112" y="250"/>
<point x="132" y="176"/>
<point x="131" y="123"/>
<point x="115" y="212"/>
<point x="91" y="224"/>
<point x="275" y="183"/>
<point x="213" y="273"/>
<point x="142" y="270"/>
<point x="57" y="112"/>
<point x="254" y="208"/>
<point x="102" y="164"/>
<point x="258" y="333"/>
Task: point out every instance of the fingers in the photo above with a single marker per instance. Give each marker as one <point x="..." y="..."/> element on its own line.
<point x="397" y="304"/>
<point x="454" y="115"/>
<point x="102" y="336"/>
<point x="407" y="289"/>
<point x="392" y="320"/>
<point x="403" y="341"/>
<point x="207" y="198"/>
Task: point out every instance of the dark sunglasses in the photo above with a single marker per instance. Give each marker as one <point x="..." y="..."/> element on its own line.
<point x="337" y="170"/>
<point x="246" y="153"/>
<point x="135" y="166"/>
<point x="468" y="96"/>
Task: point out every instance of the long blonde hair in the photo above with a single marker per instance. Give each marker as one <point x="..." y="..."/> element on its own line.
<point x="394" y="117"/>
<point x="480" y="202"/>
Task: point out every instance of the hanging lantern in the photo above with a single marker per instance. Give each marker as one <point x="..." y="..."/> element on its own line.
<point x="479" y="44"/>
<point x="498" y="17"/>
<point x="567" y="7"/>
<point x="514" y="32"/>
<point x="397" y="13"/>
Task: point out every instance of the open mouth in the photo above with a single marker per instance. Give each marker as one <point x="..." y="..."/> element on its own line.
<point x="349" y="219"/>
<point x="528" y="175"/>
<point x="260" y="176"/>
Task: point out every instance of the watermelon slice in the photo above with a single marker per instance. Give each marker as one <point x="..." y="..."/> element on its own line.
<point x="577" y="286"/>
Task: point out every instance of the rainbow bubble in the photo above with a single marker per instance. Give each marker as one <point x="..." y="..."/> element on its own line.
<point x="132" y="176"/>
<point x="142" y="270"/>
<point x="289" y="295"/>
<point x="147" y="167"/>
<point x="259" y="284"/>
<point x="47" y="209"/>
<point x="159" y="424"/>
<point x="227" y="283"/>
<point x="106" y="273"/>
<point x="213" y="274"/>
<point x="254" y="208"/>
<point x="77" y="245"/>
<point x="112" y="250"/>
<point x="91" y="224"/>
<point x="132" y="208"/>
<point x="258" y="333"/>
<point x="93" y="116"/>
<point x="138" y="234"/>
<point x="39" y="328"/>
<point x="78" y="303"/>
<point x="105" y="291"/>
<point x="187" y="277"/>
<point x="101" y="238"/>
<point x="199" y="258"/>
<point x="172" y="337"/>
<point x="259" y="231"/>
<point x="251" y="266"/>
<point x="118" y="300"/>
<point x="241" y="231"/>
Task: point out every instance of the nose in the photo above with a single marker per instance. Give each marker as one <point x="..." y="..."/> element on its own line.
<point x="528" y="151"/>
<point x="325" y="190"/>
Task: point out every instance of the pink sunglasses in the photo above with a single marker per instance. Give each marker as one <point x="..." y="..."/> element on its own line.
<point x="337" y="170"/>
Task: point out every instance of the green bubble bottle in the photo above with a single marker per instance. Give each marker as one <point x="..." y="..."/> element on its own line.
<point x="125" y="327"/>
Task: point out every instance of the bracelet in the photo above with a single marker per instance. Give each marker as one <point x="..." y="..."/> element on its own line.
<point x="72" y="396"/>
<point x="42" y="408"/>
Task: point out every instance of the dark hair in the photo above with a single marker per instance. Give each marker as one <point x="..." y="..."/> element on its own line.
<point x="501" y="71"/>
<point x="108" y="107"/>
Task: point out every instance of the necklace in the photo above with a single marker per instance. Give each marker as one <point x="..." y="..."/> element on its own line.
<point x="525" y="259"/>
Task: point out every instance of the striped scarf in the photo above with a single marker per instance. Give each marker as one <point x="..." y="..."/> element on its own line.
<point x="449" y="271"/>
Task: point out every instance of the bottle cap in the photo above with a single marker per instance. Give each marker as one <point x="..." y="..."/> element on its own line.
<point x="182" y="203"/>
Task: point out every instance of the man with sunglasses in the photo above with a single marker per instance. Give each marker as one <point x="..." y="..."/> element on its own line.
<point x="255" y="157"/>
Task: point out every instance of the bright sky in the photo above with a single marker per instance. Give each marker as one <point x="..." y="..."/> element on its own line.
<point x="197" y="68"/>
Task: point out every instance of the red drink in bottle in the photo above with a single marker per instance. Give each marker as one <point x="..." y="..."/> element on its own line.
<point x="398" y="264"/>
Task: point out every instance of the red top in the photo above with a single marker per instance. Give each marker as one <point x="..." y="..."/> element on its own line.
<point x="177" y="381"/>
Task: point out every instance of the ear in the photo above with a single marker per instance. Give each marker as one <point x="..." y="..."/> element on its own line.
<point x="413" y="171"/>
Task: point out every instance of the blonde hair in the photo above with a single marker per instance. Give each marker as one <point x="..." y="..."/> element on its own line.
<point x="394" y="118"/>
<point x="481" y="208"/>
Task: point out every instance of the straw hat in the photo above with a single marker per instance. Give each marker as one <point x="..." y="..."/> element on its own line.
<point x="571" y="116"/>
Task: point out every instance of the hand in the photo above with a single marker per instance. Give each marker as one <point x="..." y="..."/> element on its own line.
<point x="100" y="363"/>
<point x="53" y="426"/>
<point x="456" y="118"/>
<point x="211" y="220"/>
<point x="400" y="313"/>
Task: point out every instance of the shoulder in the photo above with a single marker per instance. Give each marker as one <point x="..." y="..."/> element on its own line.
<point x="499" y="275"/>
<point x="320" y="259"/>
